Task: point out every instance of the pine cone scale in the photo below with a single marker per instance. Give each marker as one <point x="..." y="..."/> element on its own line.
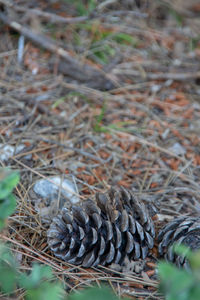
<point x="144" y="252"/>
<point x="81" y="250"/>
<point x="117" y="257"/>
<point x="180" y="230"/>
<point x="132" y="225"/>
<point x="102" y="246"/>
<point x="81" y="233"/>
<point x="109" y="230"/>
<point x="166" y="239"/>
<point x="111" y="254"/>
<point x="136" y="250"/>
<point x="88" y="260"/>
<point x="195" y="226"/>
<point x="130" y="243"/>
<point x="66" y="217"/>
<point x="140" y="231"/>
<point x="118" y="238"/>
<point x="94" y="236"/>
<point x="124" y="221"/>
<point x="150" y="240"/>
<point x="97" y="220"/>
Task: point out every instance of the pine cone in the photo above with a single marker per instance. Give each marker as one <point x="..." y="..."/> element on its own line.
<point x="116" y="226"/>
<point x="183" y="230"/>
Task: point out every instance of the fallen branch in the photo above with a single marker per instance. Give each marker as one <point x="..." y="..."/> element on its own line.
<point x="53" y="18"/>
<point x="69" y="66"/>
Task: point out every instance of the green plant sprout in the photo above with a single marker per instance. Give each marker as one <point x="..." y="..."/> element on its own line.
<point x="8" y="180"/>
<point x="181" y="284"/>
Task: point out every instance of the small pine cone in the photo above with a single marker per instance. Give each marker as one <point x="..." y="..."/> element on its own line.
<point x="183" y="230"/>
<point x="116" y="226"/>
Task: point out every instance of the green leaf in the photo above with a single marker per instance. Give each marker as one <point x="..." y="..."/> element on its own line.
<point x="46" y="290"/>
<point x="8" y="279"/>
<point x="103" y="53"/>
<point x="99" y="128"/>
<point x="177" y="16"/>
<point x="123" y="38"/>
<point x="40" y="272"/>
<point x="2" y="223"/>
<point x="194" y="42"/>
<point x="94" y="294"/>
<point x="7" y="207"/>
<point x="8" y="180"/>
<point x="8" y="270"/>
<point x="99" y="118"/>
<point x="58" y="102"/>
<point x="36" y="284"/>
<point x="175" y="284"/>
<point x="195" y="292"/>
<point x="34" y="279"/>
<point x="194" y="259"/>
<point x="182" y="250"/>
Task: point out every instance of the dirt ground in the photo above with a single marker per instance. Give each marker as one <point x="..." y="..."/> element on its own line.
<point x="119" y="107"/>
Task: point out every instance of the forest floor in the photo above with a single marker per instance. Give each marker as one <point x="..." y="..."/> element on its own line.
<point x="138" y="127"/>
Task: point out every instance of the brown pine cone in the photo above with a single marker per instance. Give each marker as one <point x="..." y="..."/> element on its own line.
<point x="182" y="230"/>
<point x="116" y="226"/>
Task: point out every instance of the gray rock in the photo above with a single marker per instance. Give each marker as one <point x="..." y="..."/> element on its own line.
<point x="50" y="195"/>
<point x="51" y="187"/>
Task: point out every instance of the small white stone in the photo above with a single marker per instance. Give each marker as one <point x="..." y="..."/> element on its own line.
<point x="176" y="62"/>
<point x="168" y="82"/>
<point x="155" y="88"/>
<point x="35" y="70"/>
<point x="63" y="114"/>
<point x="177" y="149"/>
<point x="42" y="97"/>
<point x="165" y="133"/>
<point x="7" y="151"/>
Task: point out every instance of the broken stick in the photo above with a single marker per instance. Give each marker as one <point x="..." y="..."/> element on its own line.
<point x="69" y="66"/>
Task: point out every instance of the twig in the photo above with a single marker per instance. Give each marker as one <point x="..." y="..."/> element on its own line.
<point x="53" y="18"/>
<point x="133" y="13"/>
<point x="157" y="76"/>
<point x="103" y="5"/>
